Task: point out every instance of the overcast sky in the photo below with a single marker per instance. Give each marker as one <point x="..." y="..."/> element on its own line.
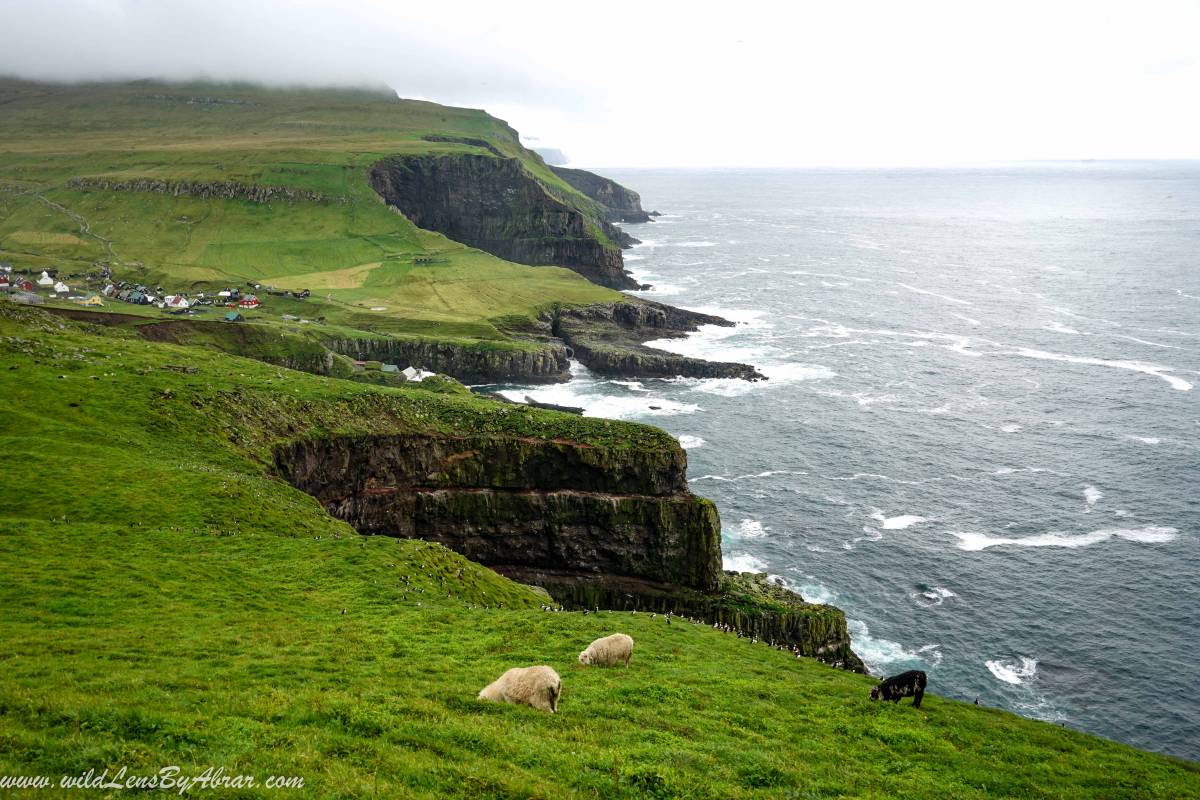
<point x="660" y="83"/>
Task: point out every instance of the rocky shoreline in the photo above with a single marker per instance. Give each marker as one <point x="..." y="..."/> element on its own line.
<point x="610" y="340"/>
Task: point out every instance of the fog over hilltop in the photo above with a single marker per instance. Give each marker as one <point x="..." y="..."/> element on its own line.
<point x="756" y="85"/>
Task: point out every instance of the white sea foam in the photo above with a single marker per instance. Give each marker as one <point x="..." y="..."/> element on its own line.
<point x="1156" y="370"/>
<point x="1058" y="327"/>
<point x="1149" y="535"/>
<point x="966" y="319"/>
<point x="1144" y="439"/>
<point x="881" y="655"/>
<point x="584" y="392"/>
<point x="814" y="591"/>
<point x="1091" y="494"/>
<point x="748" y="476"/>
<point x="750" y="529"/>
<point x="1012" y="427"/>
<point x="1145" y="341"/>
<point x="689" y="442"/>
<point x="744" y="562"/>
<point x="722" y="343"/>
<point x="898" y="523"/>
<point x="1011" y="672"/>
<point x="945" y="297"/>
<point x="656" y="288"/>
<point x="932" y="596"/>
<point x="690" y="244"/>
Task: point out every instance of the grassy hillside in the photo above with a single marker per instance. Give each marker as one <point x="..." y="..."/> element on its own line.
<point x="112" y="174"/>
<point x="168" y="602"/>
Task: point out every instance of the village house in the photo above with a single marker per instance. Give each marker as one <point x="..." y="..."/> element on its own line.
<point x="61" y="288"/>
<point x="135" y="296"/>
<point x="249" y="302"/>
<point x="176" y="301"/>
<point x="90" y="300"/>
<point x="45" y="280"/>
<point x="234" y="316"/>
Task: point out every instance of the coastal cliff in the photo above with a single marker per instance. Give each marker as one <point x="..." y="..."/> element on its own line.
<point x="494" y="204"/>
<point x="595" y="526"/>
<point x="620" y="203"/>
<point x="607" y="339"/>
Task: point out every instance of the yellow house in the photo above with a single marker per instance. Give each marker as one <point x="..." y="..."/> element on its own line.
<point x="91" y="300"/>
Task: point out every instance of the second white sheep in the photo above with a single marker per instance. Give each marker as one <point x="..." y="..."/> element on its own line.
<point x="608" y="651"/>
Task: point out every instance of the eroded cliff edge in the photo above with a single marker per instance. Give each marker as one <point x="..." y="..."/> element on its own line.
<point x="621" y="204"/>
<point x="494" y="204"/>
<point x="596" y="526"/>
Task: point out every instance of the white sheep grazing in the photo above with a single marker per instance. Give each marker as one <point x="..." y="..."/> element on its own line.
<point x="609" y="651"/>
<point x="539" y="687"/>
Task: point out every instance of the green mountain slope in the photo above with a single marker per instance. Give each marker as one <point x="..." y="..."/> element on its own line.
<point x="169" y="601"/>
<point x="197" y="187"/>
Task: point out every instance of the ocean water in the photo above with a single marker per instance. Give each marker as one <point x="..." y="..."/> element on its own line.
<point x="981" y="432"/>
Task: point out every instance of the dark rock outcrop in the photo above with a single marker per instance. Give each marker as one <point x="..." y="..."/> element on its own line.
<point x="608" y="340"/>
<point x="621" y="204"/>
<point x="470" y="363"/>
<point x="520" y="502"/>
<point x="495" y="205"/>
<point x="595" y="526"/>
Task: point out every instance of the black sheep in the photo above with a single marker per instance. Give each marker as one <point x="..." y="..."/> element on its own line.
<point x="906" y="684"/>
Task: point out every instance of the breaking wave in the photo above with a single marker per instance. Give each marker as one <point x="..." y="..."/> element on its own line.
<point x="744" y="562"/>
<point x="1147" y="535"/>
<point x="1012" y="673"/>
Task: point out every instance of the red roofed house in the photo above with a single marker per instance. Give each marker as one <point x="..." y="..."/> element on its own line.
<point x="249" y="301"/>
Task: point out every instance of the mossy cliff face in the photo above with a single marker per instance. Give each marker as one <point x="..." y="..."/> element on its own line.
<point x="622" y="205"/>
<point x="596" y="526"/>
<point x="495" y="205"/>
<point x="469" y="363"/>
<point x="509" y="502"/>
<point x="335" y="467"/>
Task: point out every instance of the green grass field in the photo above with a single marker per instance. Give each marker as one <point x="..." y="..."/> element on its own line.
<point x="167" y="601"/>
<point x="347" y="246"/>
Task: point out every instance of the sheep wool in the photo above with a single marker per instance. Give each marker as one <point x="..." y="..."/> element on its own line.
<point x="538" y="686"/>
<point x="608" y="651"/>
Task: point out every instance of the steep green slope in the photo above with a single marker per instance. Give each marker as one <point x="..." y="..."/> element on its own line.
<point x="199" y="186"/>
<point x="168" y="601"/>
